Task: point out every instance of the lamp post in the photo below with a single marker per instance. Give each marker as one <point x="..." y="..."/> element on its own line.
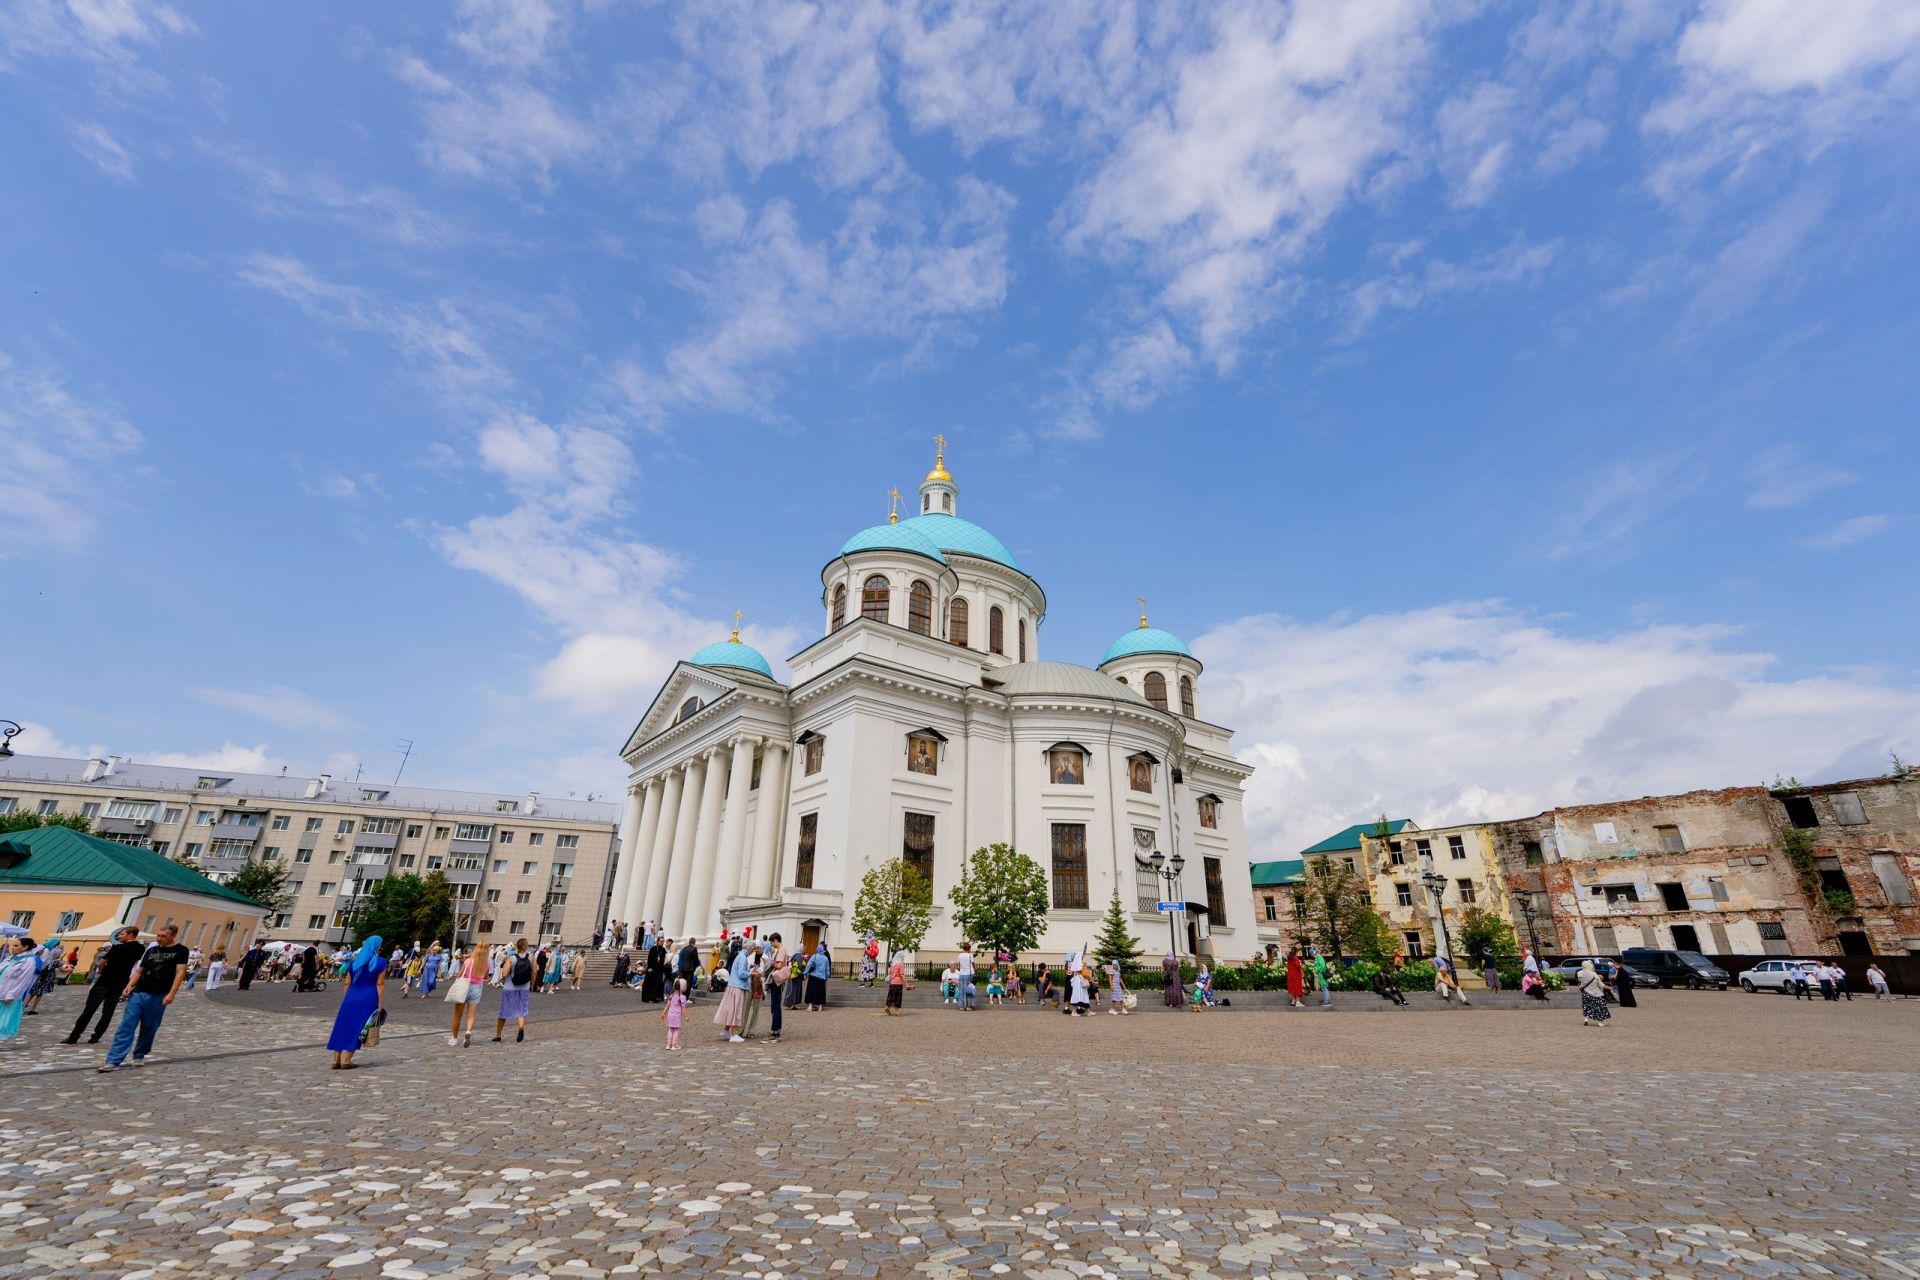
<point x="1168" y="869"/>
<point x="1436" y="892"/>
<point x="6" y="738"/>
<point x="1526" y="914"/>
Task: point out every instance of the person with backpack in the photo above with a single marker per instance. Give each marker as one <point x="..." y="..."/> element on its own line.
<point x="516" y="993"/>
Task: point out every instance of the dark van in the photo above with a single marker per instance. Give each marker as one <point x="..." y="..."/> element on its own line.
<point x="1687" y="969"/>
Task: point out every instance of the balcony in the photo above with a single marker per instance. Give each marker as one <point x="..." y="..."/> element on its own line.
<point x="236" y="831"/>
<point x="457" y="845"/>
<point x="465" y="875"/>
<point x="375" y="840"/>
<point x="123" y="827"/>
<point x="309" y="840"/>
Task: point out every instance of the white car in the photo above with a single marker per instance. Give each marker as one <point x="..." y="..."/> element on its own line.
<point x="1773" y="975"/>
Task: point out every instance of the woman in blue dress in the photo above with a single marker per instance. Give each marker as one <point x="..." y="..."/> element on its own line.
<point x="366" y="989"/>
<point x="20" y="966"/>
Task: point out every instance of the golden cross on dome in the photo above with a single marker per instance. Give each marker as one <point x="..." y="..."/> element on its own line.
<point x="1143" y="609"/>
<point x="736" y="626"/>
<point x="939" y="450"/>
<point x="893" y="505"/>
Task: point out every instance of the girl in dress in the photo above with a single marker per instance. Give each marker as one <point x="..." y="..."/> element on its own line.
<point x="19" y="967"/>
<point x="675" y="1012"/>
<point x="996" y="987"/>
<point x="1015" y="991"/>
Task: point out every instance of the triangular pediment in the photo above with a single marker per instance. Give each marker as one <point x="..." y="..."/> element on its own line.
<point x="686" y="682"/>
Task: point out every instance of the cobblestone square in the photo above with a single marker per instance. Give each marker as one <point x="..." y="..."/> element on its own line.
<point x="1700" y="1134"/>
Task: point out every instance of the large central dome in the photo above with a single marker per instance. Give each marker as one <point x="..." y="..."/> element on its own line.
<point x="951" y="533"/>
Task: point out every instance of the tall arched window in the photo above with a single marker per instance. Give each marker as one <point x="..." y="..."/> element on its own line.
<point x="873" y="599"/>
<point x="688" y="708"/>
<point x="1023" y="639"/>
<point x="1155" y="686"/>
<point x="996" y="630"/>
<point x="1186" y="697"/>
<point x="839" y="618"/>
<point x="920" y="608"/>
<point x="957" y="621"/>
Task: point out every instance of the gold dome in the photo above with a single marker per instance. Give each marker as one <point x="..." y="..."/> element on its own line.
<point x="939" y="474"/>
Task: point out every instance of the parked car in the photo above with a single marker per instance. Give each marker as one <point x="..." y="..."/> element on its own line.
<point x="1569" y="969"/>
<point x="1771" y="975"/>
<point x="1677" y="968"/>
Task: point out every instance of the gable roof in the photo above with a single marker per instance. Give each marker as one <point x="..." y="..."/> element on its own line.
<point x="61" y="855"/>
<point x="1350" y="838"/>
<point x="1267" y="875"/>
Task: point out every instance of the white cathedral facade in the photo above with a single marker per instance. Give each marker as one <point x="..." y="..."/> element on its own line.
<point x="923" y="724"/>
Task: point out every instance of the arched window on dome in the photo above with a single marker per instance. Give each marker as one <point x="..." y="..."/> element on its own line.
<point x="1022" y="624"/>
<point x="996" y="631"/>
<point x="920" y="608"/>
<point x="873" y="599"/>
<point x="1155" y="687"/>
<point x="957" y="621"/>
<point x="1123" y="680"/>
<point x="946" y="503"/>
<point x="688" y="709"/>
<point x="839" y="618"/>
<point x="1186" y="698"/>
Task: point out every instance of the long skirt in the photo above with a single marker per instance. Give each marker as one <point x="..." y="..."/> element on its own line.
<point x="1594" y="1008"/>
<point x="514" y="1002"/>
<point x="733" y="1008"/>
<point x="816" y="990"/>
<point x="1173" y="993"/>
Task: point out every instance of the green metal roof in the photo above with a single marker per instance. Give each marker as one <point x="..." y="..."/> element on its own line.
<point x="1278" y="872"/>
<point x="1350" y="838"/>
<point x="61" y="855"/>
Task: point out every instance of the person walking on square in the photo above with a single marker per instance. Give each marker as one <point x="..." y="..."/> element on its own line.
<point x="870" y="962"/>
<point x="688" y="963"/>
<point x="1593" y="996"/>
<point x="430" y="966"/>
<point x="196" y="964"/>
<point x="1840" y="983"/>
<point x="109" y="980"/>
<point x="516" y="993"/>
<point x="19" y="970"/>
<point x="1296" y="978"/>
<point x="779" y="978"/>
<point x="150" y="990"/>
<point x="732" y="1013"/>
<point x="653" y="972"/>
<point x="464" y="993"/>
<point x="1170" y="988"/>
<point x="1824" y="975"/>
<point x="1489" y="969"/>
<point x="1623" y="987"/>
<point x="963" y="971"/>
<point x="1116" y="988"/>
<point x="1320" y="977"/>
<point x="896" y="985"/>
<point x="216" y="968"/>
<point x="250" y="963"/>
<point x="675" y="1013"/>
<point x="366" y="993"/>
<point x="1877" y="979"/>
<point x="817" y="970"/>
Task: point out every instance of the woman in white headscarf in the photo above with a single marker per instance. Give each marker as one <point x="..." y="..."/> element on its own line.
<point x="1593" y="996"/>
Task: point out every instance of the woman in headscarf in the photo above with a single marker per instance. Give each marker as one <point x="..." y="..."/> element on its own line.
<point x="653" y="986"/>
<point x="19" y="968"/>
<point x="1593" y="996"/>
<point x="309" y="970"/>
<point x="366" y="989"/>
<point x="732" y="1013"/>
<point x="817" y="969"/>
<point x="51" y="964"/>
<point x="1170" y="981"/>
<point x="1296" y="978"/>
<point x="622" y="968"/>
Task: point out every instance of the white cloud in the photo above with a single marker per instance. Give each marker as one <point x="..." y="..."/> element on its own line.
<point x="499" y="127"/>
<point x="1848" y="532"/>
<point x="1473" y="711"/>
<point x="371" y="209"/>
<point x="38" y="740"/>
<point x="1412" y="284"/>
<point x="276" y="704"/>
<point x="91" y="139"/>
<point x="53" y="448"/>
<point x="228" y="756"/>
<point x="110" y="33"/>
<point x="1474" y="140"/>
<point x="1782" y="476"/>
<point x="1619" y="501"/>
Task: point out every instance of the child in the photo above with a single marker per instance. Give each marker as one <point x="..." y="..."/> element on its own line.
<point x="674" y="1012"/>
<point x="996" y="987"/>
<point x="1116" y="989"/>
<point x="896" y="985"/>
<point x="949" y="983"/>
<point x="1014" y="990"/>
<point x="1081" y="996"/>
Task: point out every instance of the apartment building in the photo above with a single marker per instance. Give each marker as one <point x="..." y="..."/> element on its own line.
<point x="1462" y="857"/>
<point x="520" y="865"/>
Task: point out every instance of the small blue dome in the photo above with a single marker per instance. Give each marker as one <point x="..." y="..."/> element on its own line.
<point x="894" y="537"/>
<point x="951" y="533"/>
<point x="731" y="653"/>
<point x="1146" y="640"/>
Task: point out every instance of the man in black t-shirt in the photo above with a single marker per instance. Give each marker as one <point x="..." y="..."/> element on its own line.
<point x="155" y="981"/>
<point x="104" y="994"/>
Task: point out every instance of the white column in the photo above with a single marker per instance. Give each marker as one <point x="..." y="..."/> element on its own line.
<point x="653" y="791"/>
<point x="733" y="829"/>
<point x="766" y="824"/>
<point x="660" y="861"/>
<point x="698" y="915"/>
<point x="630" y="853"/>
<point x="680" y="870"/>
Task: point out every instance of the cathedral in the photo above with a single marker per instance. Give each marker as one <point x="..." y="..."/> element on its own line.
<point x="923" y="724"/>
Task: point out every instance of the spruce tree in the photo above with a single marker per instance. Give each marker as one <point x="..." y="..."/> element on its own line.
<point x="1114" y="942"/>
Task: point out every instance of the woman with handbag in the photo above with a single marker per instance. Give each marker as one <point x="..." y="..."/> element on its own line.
<point x="779" y="974"/>
<point x="366" y="991"/>
<point x="464" y="993"/>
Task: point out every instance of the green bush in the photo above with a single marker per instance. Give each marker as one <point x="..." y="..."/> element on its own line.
<point x="1417" y="975"/>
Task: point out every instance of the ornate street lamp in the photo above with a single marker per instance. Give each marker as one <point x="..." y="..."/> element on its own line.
<point x="1526" y="914"/>
<point x="1168" y="869"/>
<point x="6" y="738"/>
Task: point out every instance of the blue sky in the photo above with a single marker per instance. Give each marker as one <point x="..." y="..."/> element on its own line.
<point x="1512" y="406"/>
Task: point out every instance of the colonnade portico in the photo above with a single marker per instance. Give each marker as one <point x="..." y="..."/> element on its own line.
<point x="686" y="851"/>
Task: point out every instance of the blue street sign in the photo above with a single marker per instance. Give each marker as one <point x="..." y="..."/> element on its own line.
<point x="1164" y="907"/>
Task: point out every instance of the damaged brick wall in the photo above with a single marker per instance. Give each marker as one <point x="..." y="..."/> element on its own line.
<point x="1865" y="837"/>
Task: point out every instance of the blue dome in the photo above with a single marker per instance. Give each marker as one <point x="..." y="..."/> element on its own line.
<point x="731" y="653"/>
<point x="894" y="537"/>
<point x="951" y="533"/>
<point x="1146" y="640"/>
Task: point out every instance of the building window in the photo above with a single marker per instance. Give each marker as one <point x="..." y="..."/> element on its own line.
<point x="406" y="861"/>
<point x="499" y="866"/>
<point x="1210" y="811"/>
<point x="996" y="631"/>
<point x="172" y="815"/>
<point x="1216" y="891"/>
<point x="957" y="621"/>
<point x="493" y="895"/>
<point x="1616" y="894"/>
<point x="506" y="837"/>
<point x="563" y="869"/>
<point x="1456" y="848"/>
<point x="923" y="754"/>
<point x="160" y="847"/>
<point x="1604" y="833"/>
<point x="1673" y="896"/>
<point x="1893" y="880"/>
<point x="516" y="927"/>
<point x="1067" y="766"/>
<point x="314" y="824"/>
<point x="1466" y="891"/>
<point x="381" y="826"/>
<point x="1530" y="851"/>
<point x="521" y="898"/>
<point x="803" y="864"/>
<point x="1671" y="841"/>
<point x="566" y="842"/>
<point x="473" y="831"/>
<point x="7" y="803"/>
<point x="873" y="599"/>
<point x="1186" y="698"/>
<point x="1403" y="893"/>
<point x="536" y="838"/>
<point x="281" y="821"/>
<point x="343" y="827"/>
<point x="1395" y="857"/>
<point x="1772" y="931"/>
<point x="90" y="809"/>
<point x="21" y="919"/>
<point x="413" y="830"/>
<point x="1272" y="907"/>
<point x="1717" y="887"/>
<point x="48" y="808"/>
<point x="527" y="868"/>
<point x="316" y="922"/>
<point x="920" y="608"/>
<point x="814" y="750"/>
<point x="1021" y="627"/>
<point x="271" y="853"/>
<point x="687" y="710"/>
<point x="193" y="849"/>
<point x="916" y="845"/>
<point x="205" y="818"/>
<point x="135" y="809"/>
<point x="1412" y="938"/>
<point x="1154" y="686"/>
<point x="1140" y="773"/>
<point x="327" y="887"/>
<point x="303" y="855"/>
<point x="839" y="618"/>
<point x="1070" y="865"/>
<point x="1847" y="809"/>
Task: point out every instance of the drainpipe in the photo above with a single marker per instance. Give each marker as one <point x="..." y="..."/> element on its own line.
<point x="125" y="916"/>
